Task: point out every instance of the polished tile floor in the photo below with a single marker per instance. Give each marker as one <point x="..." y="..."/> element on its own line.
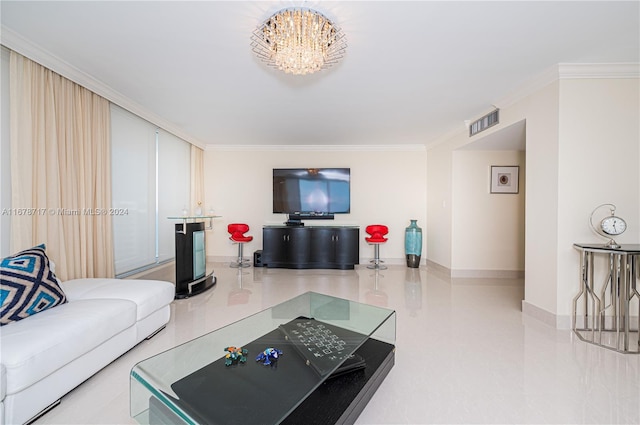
<point x="465" y="353"/>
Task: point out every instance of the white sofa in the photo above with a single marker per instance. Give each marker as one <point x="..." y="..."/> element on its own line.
<point x="48" y="354"/>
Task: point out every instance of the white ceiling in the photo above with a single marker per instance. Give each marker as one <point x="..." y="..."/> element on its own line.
<point x="413" y="71"/>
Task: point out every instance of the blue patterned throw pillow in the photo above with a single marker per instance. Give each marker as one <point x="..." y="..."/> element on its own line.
<point x="27" y="285"/>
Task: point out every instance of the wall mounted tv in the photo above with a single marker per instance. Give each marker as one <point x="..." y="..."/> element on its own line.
<point x="311" y="193"/>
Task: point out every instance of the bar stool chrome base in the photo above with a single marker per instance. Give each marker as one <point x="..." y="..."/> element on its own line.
<point x="376" y="263"/>
<point x="240" y="261"/>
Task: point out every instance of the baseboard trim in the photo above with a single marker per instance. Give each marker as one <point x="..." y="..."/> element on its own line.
<point x="548" y="318"/>
<point x="470" y="274"/>
<point x="225" y="258"/>
<point x="438" y="268"/>
<point x="491" y="274"/>
<point x="363" y="260"/>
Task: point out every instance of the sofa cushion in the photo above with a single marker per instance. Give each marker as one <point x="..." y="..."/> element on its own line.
<point x="27" y="285"/>
<point x="34" y="348"/>
<point x="149" y="295"/>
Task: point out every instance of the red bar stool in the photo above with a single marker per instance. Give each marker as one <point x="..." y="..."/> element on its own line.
<point x="237" y="231"/>
<point x="376" y="238"/>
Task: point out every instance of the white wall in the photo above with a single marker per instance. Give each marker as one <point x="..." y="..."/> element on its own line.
<point x="388" y="186"/>
<point x="540" y="111"/>
<point x="439" y="176"/>
<point x="460" y="209"/>
<point x="573" y="127"/>
<point x="487" y="229"/>
<point x="599" y="157"/>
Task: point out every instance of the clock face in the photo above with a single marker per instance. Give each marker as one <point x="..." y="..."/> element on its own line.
<point x="613" y="225"/>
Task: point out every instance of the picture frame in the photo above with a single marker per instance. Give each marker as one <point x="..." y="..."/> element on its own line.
<point x="505" y="179"/>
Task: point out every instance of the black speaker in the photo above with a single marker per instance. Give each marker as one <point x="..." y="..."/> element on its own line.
<point x="257" y="258"/>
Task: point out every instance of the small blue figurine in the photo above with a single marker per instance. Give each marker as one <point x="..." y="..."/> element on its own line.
<point x="268" y="355"/>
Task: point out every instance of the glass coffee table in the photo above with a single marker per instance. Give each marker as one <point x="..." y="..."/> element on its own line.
<point x="332" y="356"/>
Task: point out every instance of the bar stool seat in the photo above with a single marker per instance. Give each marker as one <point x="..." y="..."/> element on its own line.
<point x="376" y="237"/>
<point x="237" y="231"/>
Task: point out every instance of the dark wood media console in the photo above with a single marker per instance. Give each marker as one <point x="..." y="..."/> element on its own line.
<point x="311" y="247"/>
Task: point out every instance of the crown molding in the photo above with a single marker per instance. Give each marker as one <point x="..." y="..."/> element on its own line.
<point x="25" y="47"/>
<point x="598" y="70"/>
<point x="566" y="71"/>
<point x="318" y="148"/>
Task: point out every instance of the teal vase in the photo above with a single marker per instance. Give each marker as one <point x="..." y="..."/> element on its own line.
<point x="413" y="244"/>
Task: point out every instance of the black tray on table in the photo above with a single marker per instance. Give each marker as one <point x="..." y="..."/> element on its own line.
<point x="253" y="393"/>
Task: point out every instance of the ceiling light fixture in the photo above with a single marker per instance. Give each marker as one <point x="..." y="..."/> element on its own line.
<point x="299" y="41"/>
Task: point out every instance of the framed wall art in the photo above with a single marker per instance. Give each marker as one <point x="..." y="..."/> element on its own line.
<point x="504" y="179"/>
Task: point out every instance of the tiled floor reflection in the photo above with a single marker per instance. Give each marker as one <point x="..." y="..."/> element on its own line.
<point x="465" y="353"/>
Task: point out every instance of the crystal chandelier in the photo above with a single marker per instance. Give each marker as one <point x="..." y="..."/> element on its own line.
<point x="299" y="41"/>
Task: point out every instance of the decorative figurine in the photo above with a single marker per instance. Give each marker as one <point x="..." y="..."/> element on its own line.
<point x="235" y="354"/>
<point x="268" y="355"/>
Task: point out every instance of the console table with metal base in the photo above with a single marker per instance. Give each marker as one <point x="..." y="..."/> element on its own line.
<point x="607" y="314"/>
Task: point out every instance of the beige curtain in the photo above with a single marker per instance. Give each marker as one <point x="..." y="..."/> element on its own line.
<point x="197" y="178"/>
<point x="60" y="170"/>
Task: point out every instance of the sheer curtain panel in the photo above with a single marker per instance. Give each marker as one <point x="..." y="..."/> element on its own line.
<point x="60" y="170"/>
<point x="134" y="190"/>
<point x="173" y="189"/>
<point x="151" y="181"/>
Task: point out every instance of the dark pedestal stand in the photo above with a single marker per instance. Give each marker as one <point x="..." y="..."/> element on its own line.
<point x="191" y="278"/>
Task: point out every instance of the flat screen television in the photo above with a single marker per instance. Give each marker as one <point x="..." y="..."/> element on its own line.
<point x="311" y="192"/>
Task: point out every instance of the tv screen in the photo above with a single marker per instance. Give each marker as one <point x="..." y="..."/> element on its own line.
<point x="311" y="190"/>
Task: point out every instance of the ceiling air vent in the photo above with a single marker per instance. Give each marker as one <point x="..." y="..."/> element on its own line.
<point x="483" y="123"/>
